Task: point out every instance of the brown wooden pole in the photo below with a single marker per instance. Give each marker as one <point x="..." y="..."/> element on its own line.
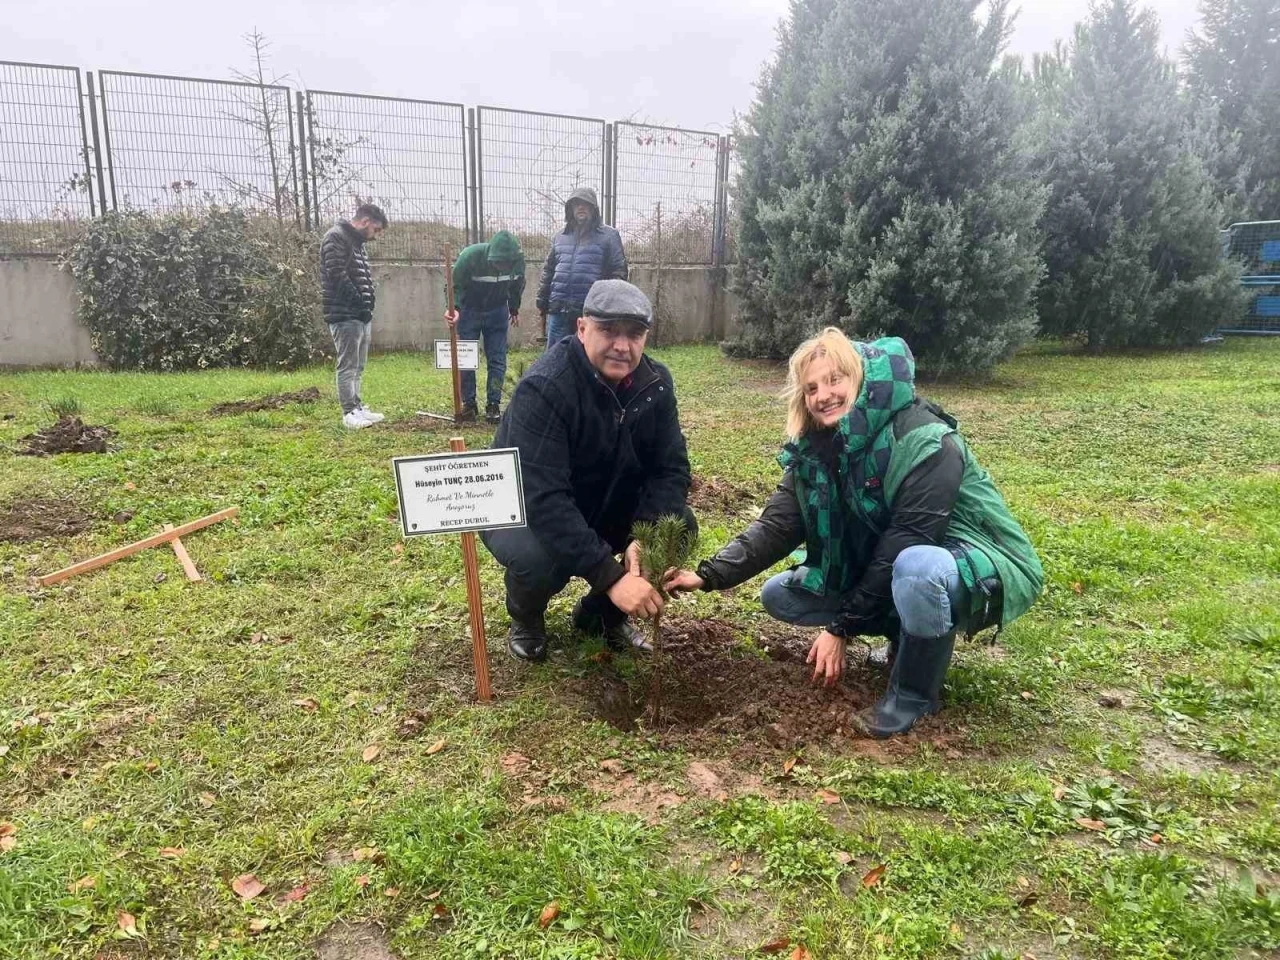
<point x="184" y="558"/>
<point x="475" y="602"/>
<point x="128" y="550"/>
<point x="453" y="332"/>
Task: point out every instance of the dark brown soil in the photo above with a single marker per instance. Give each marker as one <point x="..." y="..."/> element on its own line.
<point x="274" y="402"/>
<point x="714" y="495"/>
<point x="68" y="435"/>
<point x="36" y="519"/>
<point x="711" y="685"/>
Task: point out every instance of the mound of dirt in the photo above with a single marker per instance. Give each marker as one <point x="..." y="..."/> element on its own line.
<point x="714" y="495"/>
<point x="68" y="435"/>
<point x="274" y="402"/>
<point x="712" y="685"/>
<point x="36" y="519"/>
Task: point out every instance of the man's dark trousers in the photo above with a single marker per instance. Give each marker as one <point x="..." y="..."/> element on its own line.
<point x="533" y="578"/>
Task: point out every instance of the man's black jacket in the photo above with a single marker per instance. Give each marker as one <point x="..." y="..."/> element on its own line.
<point x="594" y="459"/>
<point x="346" y="282"/>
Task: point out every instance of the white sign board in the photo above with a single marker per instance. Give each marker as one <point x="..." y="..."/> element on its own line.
<point x="457" y="492"/>
<point x="468" y="355"/>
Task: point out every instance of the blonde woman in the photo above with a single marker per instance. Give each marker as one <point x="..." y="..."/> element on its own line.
<point x="906" y="536"/>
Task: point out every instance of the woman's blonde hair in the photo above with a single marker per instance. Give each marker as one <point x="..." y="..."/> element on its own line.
<point x="830" y="343"/>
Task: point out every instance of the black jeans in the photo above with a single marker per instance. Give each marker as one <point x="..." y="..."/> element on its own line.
<point x="533" y="577"/>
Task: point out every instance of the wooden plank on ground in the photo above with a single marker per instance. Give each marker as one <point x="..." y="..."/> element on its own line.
<point x="184" y="558"/>
<point x="129" y="549"/>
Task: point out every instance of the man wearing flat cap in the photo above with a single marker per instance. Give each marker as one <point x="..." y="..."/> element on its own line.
<point x="600" y="448"/>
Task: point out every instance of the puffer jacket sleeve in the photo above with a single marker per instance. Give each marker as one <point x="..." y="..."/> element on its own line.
<point x="548" y="273"/>
<point x="778" y="530"/>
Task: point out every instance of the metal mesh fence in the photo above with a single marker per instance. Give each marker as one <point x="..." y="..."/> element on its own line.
<point x="407" y="156"/>
<point x="176" y="143"/>
<point x="529" y="163"/>
<point x="1257" y="246"/>
<point x="45" y="184"/>
<point x="666" y="181"/>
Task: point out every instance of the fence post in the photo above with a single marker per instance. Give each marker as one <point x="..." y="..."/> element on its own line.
<point x="317" y="213"/>
<point x="106" y="137"/>
<point x="473" y="209"/>
<point x="97" y="153"/>
<point x="304" y="147"/>
<point x="720" y="228"/>
<point x="606" y="184"/>
<point x="613" y="171"/>
<point x="479" y="178"/>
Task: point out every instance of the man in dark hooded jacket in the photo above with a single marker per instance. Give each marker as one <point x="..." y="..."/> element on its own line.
<point x="585" y="251"/>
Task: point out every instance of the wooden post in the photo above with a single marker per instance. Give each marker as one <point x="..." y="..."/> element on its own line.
<point x="470" y="562"/>
<point x="453" y="332"/>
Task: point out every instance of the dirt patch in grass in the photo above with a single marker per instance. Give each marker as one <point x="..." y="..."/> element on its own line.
<point x="353" y="941"/>
<point x="714" y="495"/>
<point x="274" y="402"/>
<point x="68" y="435"/>
<point x="711" y="685"/>
<point x="37" y="519"/>
<point x="1158" y="755"/>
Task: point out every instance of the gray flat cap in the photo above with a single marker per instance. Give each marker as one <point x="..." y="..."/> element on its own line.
<point x="618" y="300"/>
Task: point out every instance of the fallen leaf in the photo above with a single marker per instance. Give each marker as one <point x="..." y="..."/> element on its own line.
<point x="309" y="704"/>
<point x="789" y="766"/>
<point x="735" y="866"/>
<point x="515" y="764"/>
<point x="774" y="946"/>
<point x="434" y="894"/>
<point x="872" y="877"/>
<point x="173" y="853"/>
<point x="1027" y="695"/>
<point x="613" y="765"/>
<point x="7" y="844"/>
<point x="130" y="485"/>
<point x="1157" y="838"/>
<point x="372" y="854"/>
<point x="371" y="753"/>
<point x="1059" y="792"/>
<point x="549" y="914"/>
<point x="363" y="881"/>
<point x="7" y="829"/>
<point x="1077" y="588"/>
<point x="297" y="893"/>
<point x="439" y="912"/>
<point x="800" y="953"/>
<point x="247" y="886"/>
<point x="1095" y="825"/>
<point x="827" y="796"/>
<point x="84" y="883"/>
<point x="397" y="548"/>
<point x="258" y="637"/>
<point x="391" y="892"/>
<point x="258" y="924"/>
<point x="127" y="923"/>
<point x="842" y="857"/>
<point x="207" y="800"/>
<point x="436" y="747"/>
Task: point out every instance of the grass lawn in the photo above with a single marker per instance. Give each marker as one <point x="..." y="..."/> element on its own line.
<point x="1102" y="783"/>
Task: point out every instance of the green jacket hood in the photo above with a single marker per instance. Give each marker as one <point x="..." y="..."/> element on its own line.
<point x="504" y="247"/>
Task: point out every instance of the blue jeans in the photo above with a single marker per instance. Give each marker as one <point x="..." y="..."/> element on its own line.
<point x="928" y="593"/>
<point x="351" y="338"/>
<point x="559" y="326"/>
<point x="491" y="326"/>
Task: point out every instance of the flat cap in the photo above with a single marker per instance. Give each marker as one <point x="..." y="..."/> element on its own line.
<point x="618" y="300"/>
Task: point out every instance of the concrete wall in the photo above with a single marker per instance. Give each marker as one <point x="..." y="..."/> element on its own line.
<point x="38" y="325"/>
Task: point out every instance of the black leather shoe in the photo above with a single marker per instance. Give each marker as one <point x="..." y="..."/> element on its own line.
<point x="468" y="414"/>
<point x="915" y="684"/>
<point x="527" y="641"/>
<point x="492" y="413"/>
<point x="619" y="638"/>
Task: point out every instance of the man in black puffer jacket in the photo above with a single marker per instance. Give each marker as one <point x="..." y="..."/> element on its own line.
<point x="600" y="445"/>
<point x="347" y="286"/>
<point x="583" y="252"/>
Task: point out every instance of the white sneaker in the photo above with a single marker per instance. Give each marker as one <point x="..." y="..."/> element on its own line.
<point x="355" y="420"/>
<point x="370" y="415"/>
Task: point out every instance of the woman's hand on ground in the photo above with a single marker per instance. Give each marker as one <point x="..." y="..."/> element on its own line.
<point x="827" y="657"/>
<point x="681" y="581"/>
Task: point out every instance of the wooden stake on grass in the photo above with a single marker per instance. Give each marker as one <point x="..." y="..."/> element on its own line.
<point x="129" y="549"/>
<point x="475" y="602"/>
<point x="184" y="558"/>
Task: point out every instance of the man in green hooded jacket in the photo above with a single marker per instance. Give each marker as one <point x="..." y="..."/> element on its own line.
<point x="488" y="284"/>
<point x="905" y="533"/>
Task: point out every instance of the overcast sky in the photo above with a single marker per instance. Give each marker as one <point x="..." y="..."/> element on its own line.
<point x="680" y="62"/>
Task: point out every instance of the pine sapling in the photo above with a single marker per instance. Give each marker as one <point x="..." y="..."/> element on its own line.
<point x="664" y="543"/>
